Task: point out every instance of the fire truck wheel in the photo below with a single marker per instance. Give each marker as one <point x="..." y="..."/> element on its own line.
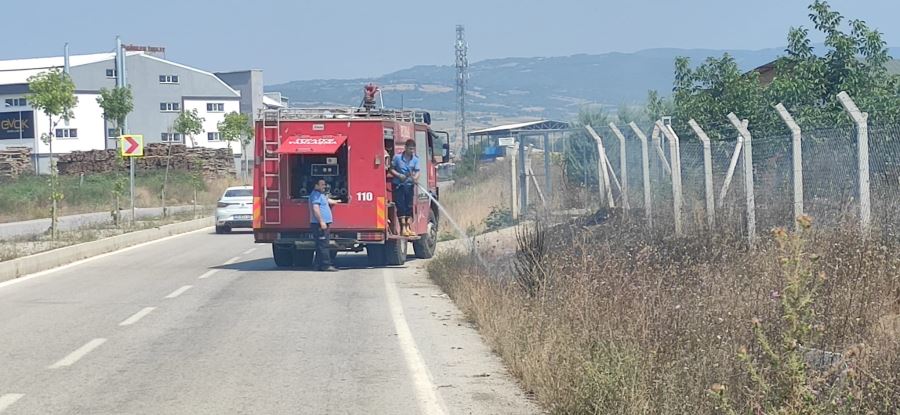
<point x="425" y="246"/>
<point x="284" y="257"/>
<point x="303" y="258"/>
<point x="375" y="254"/>
<point x="395" y="252"/>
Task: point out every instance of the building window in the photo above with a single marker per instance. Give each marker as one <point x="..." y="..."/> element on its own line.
<point x="171" y="137"/>
<point x="215" y="107"/>
<point x="169" y="106"/>
<point x="16" y="102"/>
<point x="213" y="136"/>
<point x="168" y="79"/>
<point x="111" y="73"/>
<point x="66" y="133"/>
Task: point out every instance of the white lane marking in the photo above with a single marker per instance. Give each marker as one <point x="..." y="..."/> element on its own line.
<point x="179" y="291"/>
<point x="249" y="251"/>
<point x="426" y="393"/>
<point x="76" y="263"/>
<point x="137" y="316"/>
<point x="207" y="274"/>
<point x="78" y="354"/>
<point x="8" y="400"/>
<point x="233" y="260"/>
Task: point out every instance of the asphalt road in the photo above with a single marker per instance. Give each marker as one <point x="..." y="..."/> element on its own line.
<point x="72" y="222"/>
<point x="206" y="324"/>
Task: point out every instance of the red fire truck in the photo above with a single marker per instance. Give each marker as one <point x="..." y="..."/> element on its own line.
<point x="351" y="149"/>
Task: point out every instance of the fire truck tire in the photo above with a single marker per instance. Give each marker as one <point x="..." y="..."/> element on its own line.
<point x="395" y="252"/>
<point x="375" y="254"/>
<point x="284" y="257"/>
<point x="303" y="258"/>
<point x="427" y="243"/>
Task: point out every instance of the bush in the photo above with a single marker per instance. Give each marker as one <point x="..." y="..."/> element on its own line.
<point x="499" y="218"/>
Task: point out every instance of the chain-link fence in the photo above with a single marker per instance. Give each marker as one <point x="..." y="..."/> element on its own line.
<point x="830" y="179"/>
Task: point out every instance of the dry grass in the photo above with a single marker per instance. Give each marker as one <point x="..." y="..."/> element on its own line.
<point x="469" y="201"/>
<point x="617" y="319"/>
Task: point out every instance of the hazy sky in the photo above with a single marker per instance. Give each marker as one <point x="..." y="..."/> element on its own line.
<point x="350" y="38"/>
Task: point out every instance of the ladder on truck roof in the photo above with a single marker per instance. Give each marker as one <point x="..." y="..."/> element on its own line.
<point x="310" y="114"/>
<point x="271" y="170"/>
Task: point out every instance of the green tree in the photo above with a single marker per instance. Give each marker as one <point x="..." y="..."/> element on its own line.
<point x="53" y="93"/>
<point x="714" y="89"/>
<point x="116" y="103"/>
<point x="626" y="114"/>
<point x="580" y="152"/>
<point x="805" y="82"/>
<point x="855" y="62"/>
<point x="188" y="123"/>
<point x="658" y="107"/>
<point x="238" y="127"/>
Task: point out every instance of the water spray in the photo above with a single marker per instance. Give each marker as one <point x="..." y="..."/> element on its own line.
<point x="469" y="241"/>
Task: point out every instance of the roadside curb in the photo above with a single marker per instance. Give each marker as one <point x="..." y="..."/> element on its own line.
<point x="43" y="261"/>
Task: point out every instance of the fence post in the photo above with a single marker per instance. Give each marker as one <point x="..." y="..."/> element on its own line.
<point x="523" y="179"/>
<point x="675" y="159"/>
<point x="657" y="144"/>
<point x="645" y="167"/>
<point x="601" y="165"/>
<point x="731" y="166"/>
<point x="529" y="173"/>
<point x="513" y="190"/>
<point x="623" y="164"/>
<point x="707" y="174"/>
<point x="548" y="180"/>
<point x="797" y="149"/>
<point x="862" y="130"/>
<point x="748" y="176"/>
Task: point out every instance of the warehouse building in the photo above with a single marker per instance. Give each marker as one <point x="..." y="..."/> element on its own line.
<point x="161" y="90"/>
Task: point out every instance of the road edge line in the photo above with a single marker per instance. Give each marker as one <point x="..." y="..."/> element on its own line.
<point x="427" y="398"/>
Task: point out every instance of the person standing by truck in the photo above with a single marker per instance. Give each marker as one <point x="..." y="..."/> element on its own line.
<point x="320" y="221"/>
<point x="405" y="169"/>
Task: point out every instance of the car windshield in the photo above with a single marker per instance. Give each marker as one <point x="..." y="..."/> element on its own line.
<point x="238" y="193"/>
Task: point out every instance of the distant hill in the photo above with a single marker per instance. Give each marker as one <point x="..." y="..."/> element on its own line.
<point x="553" y="87"/>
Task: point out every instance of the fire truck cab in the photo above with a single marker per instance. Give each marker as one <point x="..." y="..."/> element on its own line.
<point x="352" y="150"/>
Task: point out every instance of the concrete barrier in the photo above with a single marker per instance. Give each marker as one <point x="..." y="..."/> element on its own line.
<point x="43" y="261"/>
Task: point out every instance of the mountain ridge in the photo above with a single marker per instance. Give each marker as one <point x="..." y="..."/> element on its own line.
<point x="544" y="87"/>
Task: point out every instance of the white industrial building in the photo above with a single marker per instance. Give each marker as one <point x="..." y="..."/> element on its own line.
<point x="161" y="90"/>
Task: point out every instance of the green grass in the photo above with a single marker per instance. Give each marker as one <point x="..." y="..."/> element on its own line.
<point x="28" y="197"/>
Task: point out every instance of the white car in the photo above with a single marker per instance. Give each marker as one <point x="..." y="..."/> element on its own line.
<point x="235" y="209"/>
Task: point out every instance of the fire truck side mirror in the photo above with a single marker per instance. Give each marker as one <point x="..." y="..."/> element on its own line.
<point x="446" y="156"/>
